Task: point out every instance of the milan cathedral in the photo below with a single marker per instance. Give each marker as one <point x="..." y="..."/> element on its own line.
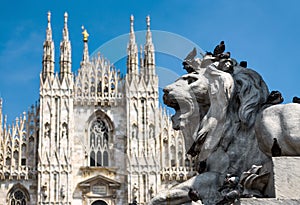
<point x="94" y="138"/>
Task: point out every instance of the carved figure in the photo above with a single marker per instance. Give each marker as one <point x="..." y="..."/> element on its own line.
<point x="47" y="130"/>
<point x="280" y="122"/>
<point x="254" y="181"/>
<point x="224" y="113"/>
<point x="216" y="111"/>
<point x="188" y="96"/>
<point x="135" y="189"/>
<point x="151" y="191"/>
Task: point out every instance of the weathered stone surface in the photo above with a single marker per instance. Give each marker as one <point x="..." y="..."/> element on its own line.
<point x="270" y="201"/>
<point x="228" y="121"/>
<point x="222" y="130"/>
<point x="282" y="123"/>
<point x="287" y="177"/>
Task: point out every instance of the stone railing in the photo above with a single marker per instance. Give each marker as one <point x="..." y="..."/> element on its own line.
<point x="177" y="173"/>
<point x="111" y="99"/>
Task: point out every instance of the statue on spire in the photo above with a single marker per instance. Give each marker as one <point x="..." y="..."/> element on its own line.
<point x="66" y="18"/>
<point x="48" y="31"/>
<point x="131" y="23"/>
<point x="85" y="34"/>
<point x="49" y="16"/>
<point x="148" y="22"/>
<point x="132" y="51"/>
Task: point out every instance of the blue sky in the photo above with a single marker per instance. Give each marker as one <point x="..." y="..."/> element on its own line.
<point x="265" y="33"/>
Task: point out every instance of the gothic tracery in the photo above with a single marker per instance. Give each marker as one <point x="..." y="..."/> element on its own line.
<point x="99" y="138"/>
<point x="97" y="120"/>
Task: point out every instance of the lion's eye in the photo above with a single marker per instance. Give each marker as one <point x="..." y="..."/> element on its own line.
<point x="190" y="79"/>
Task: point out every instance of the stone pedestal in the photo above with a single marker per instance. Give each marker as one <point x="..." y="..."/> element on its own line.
<point x="286" y="183"/>
<point x="270" y="201"/>
<point x="287" y="177"/>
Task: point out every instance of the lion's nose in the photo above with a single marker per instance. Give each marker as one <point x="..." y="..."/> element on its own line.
<point x="166" y="90"/>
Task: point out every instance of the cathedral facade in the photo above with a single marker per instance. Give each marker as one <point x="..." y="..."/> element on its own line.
<point x="94" y="138"/>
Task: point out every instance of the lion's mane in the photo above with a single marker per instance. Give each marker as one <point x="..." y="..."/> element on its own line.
<point x="239" y="141"/>
<point x="251" y="94"/>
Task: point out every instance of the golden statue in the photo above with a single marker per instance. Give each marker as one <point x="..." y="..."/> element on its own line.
<point x="85" y="34"/>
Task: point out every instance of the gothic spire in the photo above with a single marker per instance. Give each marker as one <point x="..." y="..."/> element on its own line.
<point x="1" y="116"/>
<point x="49" y="30"/>
<point x="65" y="50"/>
<point x="149" y="57"/>
<point x="132" y="51"/>
<point x="48" y="52"/>
<point x="142" y="71"/>
<point x="148" y="35"/>
<point x="65" y="30"/>
<point x="85" y="57"/>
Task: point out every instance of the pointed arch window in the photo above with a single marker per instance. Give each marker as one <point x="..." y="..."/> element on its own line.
<point x="99" y="159"/>
<point x="18" y="197"/>
<point x="8" y="161"/>
<point x="173" y="156"/>
<point x="99" y="138"/>
<point x="16" y="158"/>
<point x="92" y="159"/>
<point x="105" y="158"/>
<point x="99" y="88"/>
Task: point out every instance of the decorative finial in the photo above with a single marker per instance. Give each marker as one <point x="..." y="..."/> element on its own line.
<point x="49" y="16"/>
<point x="131" y="19"/>
<point x="48" y="30"/>
<point x="85" y="34"/>
<point x="66" y="17"/>
<point x="148" y="22"/>
<point x="131" y="23"/>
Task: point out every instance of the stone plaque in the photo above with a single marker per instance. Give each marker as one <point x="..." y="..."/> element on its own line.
<point x="99" y="189"/>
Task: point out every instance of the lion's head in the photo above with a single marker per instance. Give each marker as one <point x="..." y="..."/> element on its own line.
<point x="216" y="103"/>
<point x="198" y="109"/>
<point x="188" y="95"/>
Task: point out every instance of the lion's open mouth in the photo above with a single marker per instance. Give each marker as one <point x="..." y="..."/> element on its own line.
<point x="172" y="102"/>
<point x="181" y="107"/>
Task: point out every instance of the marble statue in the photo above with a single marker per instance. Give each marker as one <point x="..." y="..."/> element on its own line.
<point x="222" y="111"/>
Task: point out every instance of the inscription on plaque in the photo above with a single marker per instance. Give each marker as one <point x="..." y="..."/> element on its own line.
<point x="99" y="189"/>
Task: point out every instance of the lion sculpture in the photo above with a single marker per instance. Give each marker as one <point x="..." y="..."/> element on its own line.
<point x="221" y="109"/>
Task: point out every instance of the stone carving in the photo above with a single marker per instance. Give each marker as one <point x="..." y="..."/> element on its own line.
<point x="47" y="130"/>
<point x="64" y="132"/>
<point x="222" y="111"/>
<point x="231" y="190"/>
<point x="282" y="123"/>
<point x="254" y="181"/>
<point x="135" y="190"/>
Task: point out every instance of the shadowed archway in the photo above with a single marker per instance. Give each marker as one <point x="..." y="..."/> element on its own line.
<point x="99" y="202"/>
